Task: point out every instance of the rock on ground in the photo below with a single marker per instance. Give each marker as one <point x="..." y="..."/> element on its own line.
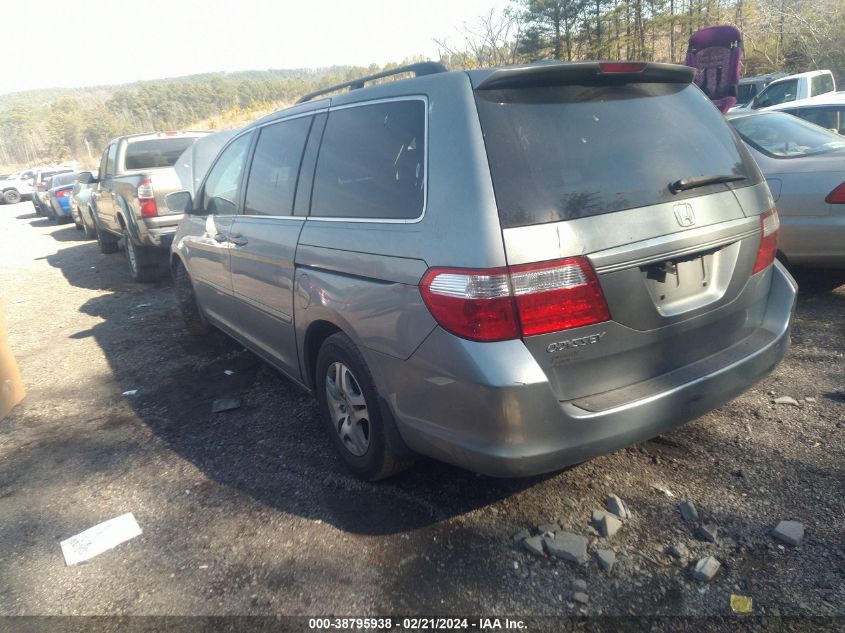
<point x="706" y="568"/>
<point x="789" y="532"/>
<point x="707" y="533"/>
<point x="520" y="536"/>
<point x="606" y="558"/>
<point x="607" y="523"/>
<point x="568" y="546"/>
<point x="678" y="550"/>
<point x="534" y="544"/>
<point x="225" y="404"/>
<point x="618" y="507"/>
<point x="688" y="511"/>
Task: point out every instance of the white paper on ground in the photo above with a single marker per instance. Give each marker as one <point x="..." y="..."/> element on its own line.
<point x="100" y="538"/>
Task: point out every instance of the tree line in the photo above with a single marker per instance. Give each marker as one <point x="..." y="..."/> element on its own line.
<point x="779" y="35"/>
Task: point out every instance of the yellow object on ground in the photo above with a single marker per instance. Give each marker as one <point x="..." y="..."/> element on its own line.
<point x="741" y="604"/>
<point x="11" y="385"/>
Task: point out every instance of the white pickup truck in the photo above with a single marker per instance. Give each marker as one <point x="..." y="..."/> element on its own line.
<point x="791" y="88"/>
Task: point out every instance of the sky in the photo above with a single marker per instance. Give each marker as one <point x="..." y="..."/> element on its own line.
<point x="95" y="42"/>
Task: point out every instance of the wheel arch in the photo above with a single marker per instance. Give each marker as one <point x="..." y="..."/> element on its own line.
<point x="316" y="334"/>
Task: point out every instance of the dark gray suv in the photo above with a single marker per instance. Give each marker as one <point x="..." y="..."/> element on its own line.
<point x="510" y="270"/>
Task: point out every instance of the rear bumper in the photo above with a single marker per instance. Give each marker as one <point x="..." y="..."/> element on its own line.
<point x="490" y="409"/>
<point x="60" y="206"/>
<point x="158" y="231"/>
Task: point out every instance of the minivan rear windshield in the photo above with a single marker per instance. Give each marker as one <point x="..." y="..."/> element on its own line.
<point x="159" y="152"/>
<point x="564" y="152"/>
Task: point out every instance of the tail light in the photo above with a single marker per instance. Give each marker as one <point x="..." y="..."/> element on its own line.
<point x="507" y="303"/>
<point x="837" y="196"/>
<point x="769" y="225"/>
<point x="147" y="199"/>
<point x="63" y="193"/>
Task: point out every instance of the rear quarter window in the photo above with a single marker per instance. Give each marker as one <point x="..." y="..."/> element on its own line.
<point x="821" y="85"/>
<point x="371" y="163"/>
<point x="566" y="152"/>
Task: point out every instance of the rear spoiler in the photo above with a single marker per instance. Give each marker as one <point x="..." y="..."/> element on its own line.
<point x="545" y="74"/>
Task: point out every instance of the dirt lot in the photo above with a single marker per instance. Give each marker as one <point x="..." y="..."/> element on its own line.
<point x="250" y="512"/>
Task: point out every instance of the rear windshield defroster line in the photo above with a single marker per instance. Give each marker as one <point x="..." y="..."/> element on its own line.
<point x="565" y="152"/>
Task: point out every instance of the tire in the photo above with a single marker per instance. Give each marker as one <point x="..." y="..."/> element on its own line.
<point x="89" y="230"/>
<point x="76" y="216"/>
<point x="11" y="196"/>
<point x="145" y="262"/>
<point x="370" y="445"/>
<point x="108" y="243"/>
<point x="195" y="321"/>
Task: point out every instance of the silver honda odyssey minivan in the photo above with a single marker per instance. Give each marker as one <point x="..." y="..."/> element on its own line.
<point x="511" y="270"/>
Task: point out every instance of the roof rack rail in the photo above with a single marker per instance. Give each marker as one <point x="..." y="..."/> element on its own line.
<point x="419" y="69"/>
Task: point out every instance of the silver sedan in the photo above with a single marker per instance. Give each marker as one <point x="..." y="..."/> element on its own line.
<point x="804" y="165"/>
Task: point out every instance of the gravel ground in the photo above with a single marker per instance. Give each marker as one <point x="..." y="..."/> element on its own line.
<point x="250" y="512"/>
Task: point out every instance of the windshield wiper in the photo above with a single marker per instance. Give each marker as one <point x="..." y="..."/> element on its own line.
<point x="700" y="181"/>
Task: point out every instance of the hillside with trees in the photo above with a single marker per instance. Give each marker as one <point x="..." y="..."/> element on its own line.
<point x="789" y="35"/>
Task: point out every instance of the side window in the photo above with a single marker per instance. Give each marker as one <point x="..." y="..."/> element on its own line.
<point x="220" y="193"/>
<point x="102" y="171"/>
<point x="372" y="162"/>
<point x="778" y="93"/>
<point x="829" y="117"/>
<point x="110" y="159"/>
<point x="275" y="166"/>
<point x="821" y="84"/>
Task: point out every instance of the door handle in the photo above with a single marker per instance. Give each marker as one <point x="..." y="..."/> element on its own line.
<point x="238" y="240"/>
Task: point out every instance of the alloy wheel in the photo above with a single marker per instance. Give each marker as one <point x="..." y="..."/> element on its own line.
<point x="348" y="408"/>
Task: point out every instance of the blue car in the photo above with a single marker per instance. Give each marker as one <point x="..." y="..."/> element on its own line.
<point x="61" y="188"/>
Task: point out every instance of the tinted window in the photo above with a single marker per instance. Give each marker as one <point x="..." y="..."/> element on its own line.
<point x="566" y="152"/>
<point x="778" y="93"/>
<point x="111" y="159"/>
<point x="828" y="117"/>
<point x="821" y="85"/>
<point x="784" y="136"/>
<point x="372" y="162"/>
<point x="159" y="152"/>
<point x="220" y="195"/>
<point x="745" y="93"/>
<point x="101" y="172"/>
<point x="275" y="166"/>
<point x="64" y="179"/>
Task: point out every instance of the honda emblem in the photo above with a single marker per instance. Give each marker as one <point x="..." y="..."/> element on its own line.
<point x="684" y="214"/>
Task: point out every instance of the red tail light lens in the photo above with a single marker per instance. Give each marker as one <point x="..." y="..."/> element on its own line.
<point x="63" y="193"/>
<point x="558" y="296"/>
<point x="769" y="226"/>
<point x="507" y="303"/>
<point x="472" y="304"/>
<point x="147" y="200"/>
<point x="837" y="196"/>
<point x="622" y="67"/>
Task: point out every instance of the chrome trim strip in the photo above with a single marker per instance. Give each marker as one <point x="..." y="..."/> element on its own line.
<point x="678" y="252"/>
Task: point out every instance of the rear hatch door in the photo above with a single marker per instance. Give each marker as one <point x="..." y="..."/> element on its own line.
<point x="637" y="172"/>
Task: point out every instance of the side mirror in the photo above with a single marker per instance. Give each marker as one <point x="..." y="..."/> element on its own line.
<point x="179" y="201"/>
<point x="86" y="178"/>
